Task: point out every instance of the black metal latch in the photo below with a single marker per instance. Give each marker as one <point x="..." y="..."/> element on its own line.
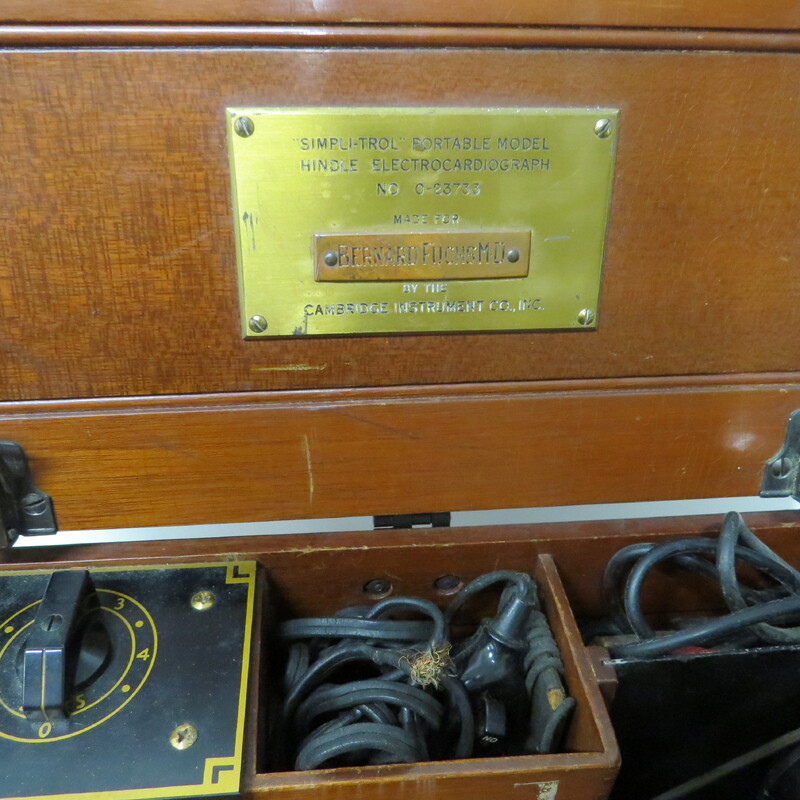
<point x="439" y="519"/>
<point x="782" y="473"/>
<point x="24" y="510"/>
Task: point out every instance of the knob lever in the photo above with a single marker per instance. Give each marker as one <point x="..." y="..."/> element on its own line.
<point x="50" y="653"/>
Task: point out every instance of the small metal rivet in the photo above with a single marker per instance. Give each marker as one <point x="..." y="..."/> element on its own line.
<point x="513" y="256"/>
<point x="448" y="584"/>
<point x="244" y="126"/>
<point x="183" y="737"/>
<point x="585" y="316"/>
<point x="331" y="259"/>
<point x="602" y="128"/>
<point x="378" y="587"/>
<point x="257" y="324"/>
<point x="202" y="601"/>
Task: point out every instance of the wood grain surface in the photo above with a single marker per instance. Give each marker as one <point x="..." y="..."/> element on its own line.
<point x="768" y="14"/>
<point x="461" y="36"/>
<point x="117" y="266"/>
<point x="249" y="457"/>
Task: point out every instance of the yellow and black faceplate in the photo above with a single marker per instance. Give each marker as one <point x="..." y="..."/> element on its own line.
<point x="164" y="717"/>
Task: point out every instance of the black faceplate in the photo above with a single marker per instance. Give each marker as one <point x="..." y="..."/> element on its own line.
<point x="172" y="664"/>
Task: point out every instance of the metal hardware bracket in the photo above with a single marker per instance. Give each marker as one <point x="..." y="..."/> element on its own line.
<point x="439" y="519"/>
<point x="782" y="472"/>
<point x="24" y="510"/>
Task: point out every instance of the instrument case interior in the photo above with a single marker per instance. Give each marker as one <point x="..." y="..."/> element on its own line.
<point x="127" y="381"/>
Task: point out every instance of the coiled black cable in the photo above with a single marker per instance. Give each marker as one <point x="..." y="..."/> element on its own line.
<point x="752" y="609"/>
<point x="361" y="687"/>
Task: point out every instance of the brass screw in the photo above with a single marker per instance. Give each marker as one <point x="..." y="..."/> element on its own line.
<point x="585" y="316"/>
<point x="244" y="126"/>
<point x="331" y="259"/>
<point x="257" y="324"/>
<point x="513" y="256"/>
<point x="602" y="128"/>
<point x="202" y="601"/>
<point x="183" y="737"/>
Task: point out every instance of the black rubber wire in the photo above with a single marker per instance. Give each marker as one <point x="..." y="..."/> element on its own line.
<point x="710" y="632"/>
<point x="734" y="529"/>
<point x="332" y="660"/>
<point x="345" y="628"/>
<point x="326" y="699"/>
<point x="384" y="713"/>
<point x="523" y="582"/>
<point x="712" y="558"/>
<point x="356" y="737"/>
<point x="691" y="546"/>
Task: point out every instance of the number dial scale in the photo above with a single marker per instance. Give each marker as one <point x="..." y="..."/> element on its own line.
<point x="170" y="664"/>
<point x="134" y="633"/>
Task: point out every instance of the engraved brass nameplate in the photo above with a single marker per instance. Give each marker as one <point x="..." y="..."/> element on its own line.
<point x="422" y="256"/>
<point x="391" y="220"/>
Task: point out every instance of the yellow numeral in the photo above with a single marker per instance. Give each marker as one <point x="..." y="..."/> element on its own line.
<point x="144" y="654"/>
<point x="44" y="730"/>
<point x="120" y="604"/>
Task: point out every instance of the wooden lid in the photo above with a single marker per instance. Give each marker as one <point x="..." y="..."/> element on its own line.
<point x="741" y="14"/>
<point x="125" y="377"/>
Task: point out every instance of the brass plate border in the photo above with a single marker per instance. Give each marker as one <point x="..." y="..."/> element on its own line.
<point x="287" y="191"/>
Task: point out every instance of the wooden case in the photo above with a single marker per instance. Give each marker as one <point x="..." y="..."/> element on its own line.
<point x="125" y="377"/>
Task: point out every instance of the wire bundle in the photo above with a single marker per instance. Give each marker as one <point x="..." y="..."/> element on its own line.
<point x="365" y="688"/>
<point x="759" y="612"/>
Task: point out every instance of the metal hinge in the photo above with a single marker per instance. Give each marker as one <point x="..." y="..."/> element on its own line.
<point x="440" y="519"/>
<point x="24" y="509"/>
<point x="782" y="473"/>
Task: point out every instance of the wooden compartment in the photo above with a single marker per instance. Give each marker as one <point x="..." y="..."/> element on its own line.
<point x="315" y="574"/>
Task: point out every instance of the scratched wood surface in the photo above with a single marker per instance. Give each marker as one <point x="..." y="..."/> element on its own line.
<point x="767" y="14"/>
<point x="236" y="458"/>
<point x="117" y="266"/>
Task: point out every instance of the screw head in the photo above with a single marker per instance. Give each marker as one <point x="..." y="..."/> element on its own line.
<point x="378" y="587"/>
<point x="448" y="584"/>
<point x="34" y="503"/>
<point x="585" y="316"/>
<point x="331" y="259"/>
<point x="513" y="256"/>
<point x="202" y="601"/>
<point x="183" y="737"/>
<point x="782" y="467"/>
<point x="257" y="324"/>
<point x="602" y="128"/>
<point x="244" y="126"/>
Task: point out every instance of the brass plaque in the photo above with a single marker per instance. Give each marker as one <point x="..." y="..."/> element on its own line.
<point x="422" y="256"/>
<point x="391" y="220"/>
